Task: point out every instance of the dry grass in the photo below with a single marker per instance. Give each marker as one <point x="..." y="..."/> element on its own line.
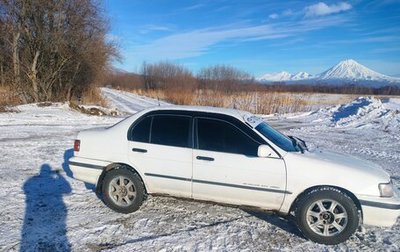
<point x="261" y="102"/>
<point x="256" y="102"/>
<point x="92" y="96"/>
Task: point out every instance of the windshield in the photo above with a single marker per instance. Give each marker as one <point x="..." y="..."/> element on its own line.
<point x="282" y="141"/>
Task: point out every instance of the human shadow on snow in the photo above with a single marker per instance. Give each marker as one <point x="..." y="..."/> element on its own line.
<point x="44" y="227"/>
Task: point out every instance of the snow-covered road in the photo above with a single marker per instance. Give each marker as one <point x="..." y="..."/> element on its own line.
<point x="128" y="102"/>
<point x="41" y="208"/>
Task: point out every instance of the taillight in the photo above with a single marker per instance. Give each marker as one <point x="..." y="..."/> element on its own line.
<point x="77" y="145"/>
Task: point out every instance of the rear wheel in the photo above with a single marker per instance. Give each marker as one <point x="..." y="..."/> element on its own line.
<point x="123" y="190"/>
<point x="327" y="215"/>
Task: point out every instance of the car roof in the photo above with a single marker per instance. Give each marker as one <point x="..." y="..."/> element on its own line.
<point x="239" y="114"/>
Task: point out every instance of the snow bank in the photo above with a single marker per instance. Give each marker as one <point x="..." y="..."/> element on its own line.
<point x="363" y="112"/>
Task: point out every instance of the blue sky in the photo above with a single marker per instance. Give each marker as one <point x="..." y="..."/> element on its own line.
<point x="257" y="36"/>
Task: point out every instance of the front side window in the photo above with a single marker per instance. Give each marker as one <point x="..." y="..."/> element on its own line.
<point x="282" y="141"/>
<point x="221" y="136"/>
<point x="171" y="130"/>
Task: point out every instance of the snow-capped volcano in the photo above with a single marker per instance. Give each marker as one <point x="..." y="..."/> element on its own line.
<point x="351" y="70"/>
<point x="301" y="76"/>
<point x="345" y="72"/>
<point x="281" y="76"/>
<point x="284" y="76"/>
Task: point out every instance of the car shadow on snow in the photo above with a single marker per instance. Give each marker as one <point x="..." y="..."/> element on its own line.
<point x="284" y="223"/>
<point x="44" y="227"/>
<point x="69" y="153"/>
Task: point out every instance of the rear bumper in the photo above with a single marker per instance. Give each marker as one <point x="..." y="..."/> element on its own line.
<point x="87" y="170"/>
<point x="380" y="211"/>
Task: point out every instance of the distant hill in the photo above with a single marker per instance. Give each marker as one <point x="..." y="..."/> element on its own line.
<point x="344" y="73"/>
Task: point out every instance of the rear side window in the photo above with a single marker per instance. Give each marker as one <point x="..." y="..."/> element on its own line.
<point x="141" y="132"/>
<point x="221" y="136"/>
<point x="171" y="130"/>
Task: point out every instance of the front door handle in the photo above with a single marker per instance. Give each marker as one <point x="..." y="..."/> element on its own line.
<point x="205" y="158"/>
<point x="139" y="150"/>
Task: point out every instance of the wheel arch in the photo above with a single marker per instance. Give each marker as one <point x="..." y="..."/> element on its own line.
<point x="343" y="190"/>
<point x="114" y="166"/>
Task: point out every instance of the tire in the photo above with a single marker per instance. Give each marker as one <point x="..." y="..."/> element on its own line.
<point x="326" y="215"/>
<point x="123" y="190"/>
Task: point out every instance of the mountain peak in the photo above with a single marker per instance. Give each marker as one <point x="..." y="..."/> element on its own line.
<point x="345" y="72"/>
<point x="284" y="76"/>
<point x="351" y="70"/>
<point x="276" y="77"/>
<point x="349" y="62"/>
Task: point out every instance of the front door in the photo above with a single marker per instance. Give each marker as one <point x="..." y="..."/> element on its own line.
<point x="226" y="167"/>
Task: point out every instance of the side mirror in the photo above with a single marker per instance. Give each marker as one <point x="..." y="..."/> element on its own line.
<point x="265" y="151"/>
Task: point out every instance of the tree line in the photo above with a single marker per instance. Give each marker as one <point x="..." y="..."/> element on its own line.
<point x="52" y="50"/>
<point x="174" y="78"/>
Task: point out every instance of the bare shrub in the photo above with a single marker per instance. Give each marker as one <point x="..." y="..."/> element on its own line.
<point x="122" y="80"/>
<point x="8" y="97"/>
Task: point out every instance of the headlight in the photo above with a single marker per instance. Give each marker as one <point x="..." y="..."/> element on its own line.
<point x="386" y="189"/>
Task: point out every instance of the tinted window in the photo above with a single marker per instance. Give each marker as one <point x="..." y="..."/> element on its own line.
<point x="171" y="130"/>
<point x="276" y="137"/>
<point x="216" y="135"/>
<point x="141" y="132"/>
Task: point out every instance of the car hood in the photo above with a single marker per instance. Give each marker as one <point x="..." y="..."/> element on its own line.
<point x="348" y="161"/>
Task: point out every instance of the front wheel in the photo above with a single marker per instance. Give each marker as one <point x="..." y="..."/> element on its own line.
<point x="123" y="190"/>
<point x="327" y="215"/>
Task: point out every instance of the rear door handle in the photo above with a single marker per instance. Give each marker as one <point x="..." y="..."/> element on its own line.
<point x="205" y="158"/>
<point x="139" y="150"/>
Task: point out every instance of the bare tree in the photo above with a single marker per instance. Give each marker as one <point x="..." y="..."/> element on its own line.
<point x="58" y="48"/>
<point x="221" y="77"/>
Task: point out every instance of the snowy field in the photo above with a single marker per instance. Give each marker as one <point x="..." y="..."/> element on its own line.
<point x="41" y="208"/>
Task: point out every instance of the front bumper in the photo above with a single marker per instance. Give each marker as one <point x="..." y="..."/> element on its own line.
<point x="379" y="211"/>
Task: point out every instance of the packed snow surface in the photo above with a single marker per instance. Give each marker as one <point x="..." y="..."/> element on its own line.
<point x="43" y="209"/>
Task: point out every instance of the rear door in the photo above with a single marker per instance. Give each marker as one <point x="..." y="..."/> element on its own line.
<point x="161" y="148"/>
<point x="226" y="167"/>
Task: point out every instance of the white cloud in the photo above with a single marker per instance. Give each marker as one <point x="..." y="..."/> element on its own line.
<point x="322" y="9"/>
<point x="150" y="28"/>
<point x="273" y="16"/>
<point x="197" y="42"/>
<point x="288" y="12"/>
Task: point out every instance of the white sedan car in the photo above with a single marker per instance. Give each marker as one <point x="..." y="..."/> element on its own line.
<point x="233" y="157"/>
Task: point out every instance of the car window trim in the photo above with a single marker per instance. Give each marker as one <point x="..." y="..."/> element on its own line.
<point x="151" y="126"/>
